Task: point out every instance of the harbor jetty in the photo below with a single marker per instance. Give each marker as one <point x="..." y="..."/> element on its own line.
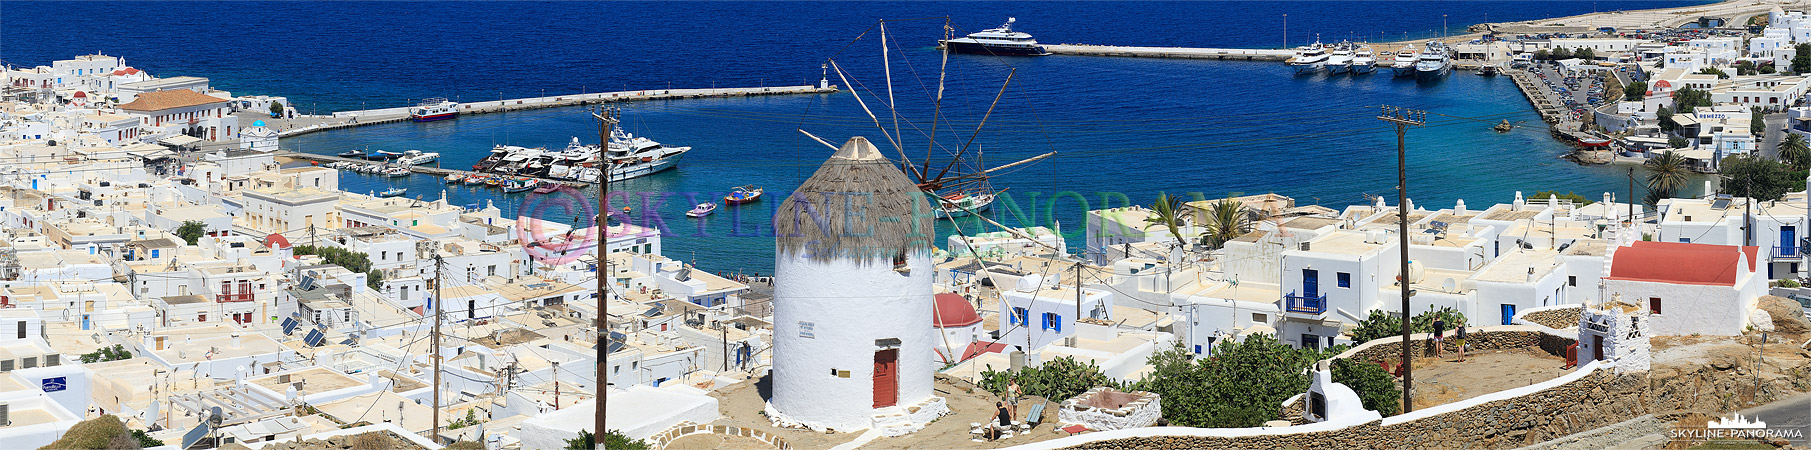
<point x="356" y="118"/>
<point x="1241" y="54"/>
<point x="441" y="172"/>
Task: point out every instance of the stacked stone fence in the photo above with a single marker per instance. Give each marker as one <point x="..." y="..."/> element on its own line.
<point x="1555" y="317"/>
<point x="1484" y="338"/>
<point x="1584" y="399"/>
<point x="687" y="429"/>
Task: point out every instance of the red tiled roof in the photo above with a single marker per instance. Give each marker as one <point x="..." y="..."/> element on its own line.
<point x="1681" y="263"/>
<point x="954" y="311"/>
<point x="174" y="98"/>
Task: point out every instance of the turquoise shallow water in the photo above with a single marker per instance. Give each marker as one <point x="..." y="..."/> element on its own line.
<point x="1124" y="129"/>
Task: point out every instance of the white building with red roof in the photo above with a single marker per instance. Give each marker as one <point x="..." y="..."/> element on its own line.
<point x="957" y="323"/>
<point x="185" y="112"/>
<point x="1688" y="288"/>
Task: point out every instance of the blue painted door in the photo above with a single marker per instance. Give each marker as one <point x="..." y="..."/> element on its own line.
<point x="1311" y="283"/>
<point x="1508" y="313"/>
<point x="1789" y="240"/>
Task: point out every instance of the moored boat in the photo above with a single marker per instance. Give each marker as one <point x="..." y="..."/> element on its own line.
<point x="1341" y="59"/>
<point x="438" y="108"/>
<point x="995" y="41"/>
<point x="1404" y="64"/>
<point x="703" y="209"/>
<point x="392" y="192"/>
<point x="1308" y="59"/>
<point x="743" y="194"/>
<point x="520" y="185"/>
<point x="1433" y="62"/>
<point x="1363" y="61"/>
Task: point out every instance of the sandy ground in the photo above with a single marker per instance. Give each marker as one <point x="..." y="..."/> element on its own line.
<point x="742" y="403"/>
<point x="712" y="441"/>
<point x="1439" y="381"/>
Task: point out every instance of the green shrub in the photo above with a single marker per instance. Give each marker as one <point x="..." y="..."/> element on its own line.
<point x="1375" y="387"/>
<point x="1243" y="383"/>
<point x="1057" y="379"/>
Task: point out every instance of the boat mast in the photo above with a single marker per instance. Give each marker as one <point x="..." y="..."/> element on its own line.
<point x="937" y="105"/>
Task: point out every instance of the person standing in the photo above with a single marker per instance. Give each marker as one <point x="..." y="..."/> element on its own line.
<point x="1459" y="341"/>
<point x="1439" y="332"/>
<point x="1012" y="396"/>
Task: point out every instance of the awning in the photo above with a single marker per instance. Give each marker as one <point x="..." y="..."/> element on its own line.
<point x="180" y="140"/>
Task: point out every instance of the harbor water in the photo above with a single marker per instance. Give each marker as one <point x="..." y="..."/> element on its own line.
<point x="1124" y="129"/>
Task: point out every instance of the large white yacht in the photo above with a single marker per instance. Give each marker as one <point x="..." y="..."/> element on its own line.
<point x="1404" y="65"/>
<point x="1433" y="62"/>
<point x="1341" y="60"/>
<point x="1363" y="61"/>
<point x="996" y="41"/>
<point x="1308" y="59"/>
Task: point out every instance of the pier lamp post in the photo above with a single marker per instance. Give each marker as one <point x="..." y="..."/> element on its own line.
<point x="1404" y="118"/>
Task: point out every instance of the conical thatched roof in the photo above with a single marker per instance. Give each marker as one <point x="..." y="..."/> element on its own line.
<point x="858" y="206"/>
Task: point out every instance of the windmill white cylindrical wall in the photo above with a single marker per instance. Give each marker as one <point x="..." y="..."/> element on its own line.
<point x="852" y="294"/>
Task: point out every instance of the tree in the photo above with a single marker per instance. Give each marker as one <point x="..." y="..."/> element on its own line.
<point x="115" y="353"/>
<point x="1801" y="58"/>
<point x="1226" y="221"/>
<point x="1677" y="142"/>
<point x="1376" y="388"/>
<point x="276" y="109"/>
<point x="1240" y="385"/>
<point x="1542" y="55"/>
<point x="145" y="440"/>
<point x="1585" y="53"/>
<point x="1745" y="68"/>
<point x="1560" y="53"/>
<point x="1687" y="99"/>
<point x="1635" y="90"/>
<point x="1795" y="151"/>
<point x="192" y="231"/>
<point x="1766" y="68"/>
<point x="1757" y="178"/>
<point x="1381" y="324"/>
<point x="1757" y="121"/>
<point x="1167" y="212"/>
<point x="1666" y="174"/>
<point x="1576" y="199"/>
<point x="1714" y="71"/>
<point x="1665" y="115"/>
<point x="1057" y="379"/>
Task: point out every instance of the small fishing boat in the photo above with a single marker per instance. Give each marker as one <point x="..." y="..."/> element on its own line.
<point x="744" y="194"/>
<point x="396" y="172"/>
<point x="1488" y="71"/>
<point x="455" y="178"/>
<point x="1594" y="142"/>
<point x="392" y="192"/>
<point x="493" y="181"/>
<point x="520" y="185"/>
<point x="352" y="154"/>
<point x="474" y="180"/>
<point x="703" y="209"/>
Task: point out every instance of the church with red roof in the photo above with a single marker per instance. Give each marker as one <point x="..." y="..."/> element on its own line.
<point x="1688" y="288"/>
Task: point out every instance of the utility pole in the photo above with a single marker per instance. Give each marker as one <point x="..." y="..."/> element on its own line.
<point x="725" y="331"/>
<point x="1632" y="197"/>
<point x="1078" y="291"/>
<point x="556" y="385"/>
<point x="1403" y="119"/>
<point x="606" y="117"/>
<point x="434" y="347"/>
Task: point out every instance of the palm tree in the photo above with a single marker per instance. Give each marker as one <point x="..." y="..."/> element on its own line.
<point x="1167" y="212"/>
<point x="1226" y="220"/>
<point x="1795" y="151"/>
<point x="1666" y="174"/>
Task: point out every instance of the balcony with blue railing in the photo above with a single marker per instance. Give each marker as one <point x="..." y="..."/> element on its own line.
<point x="1787" y="251"/>
<point x="1302" y="304"/>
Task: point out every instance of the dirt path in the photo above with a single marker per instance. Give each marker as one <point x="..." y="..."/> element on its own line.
<point x="1439" y="381"/>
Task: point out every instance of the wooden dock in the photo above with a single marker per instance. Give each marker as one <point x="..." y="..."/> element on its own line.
<point x="1239" y="54"/>
<point x="440" y="172"/>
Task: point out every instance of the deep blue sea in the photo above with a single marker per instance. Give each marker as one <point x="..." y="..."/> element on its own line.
<point x="1123" y="129"/>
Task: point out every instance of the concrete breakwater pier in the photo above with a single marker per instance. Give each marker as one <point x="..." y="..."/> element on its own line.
<point x="1243" y="54"/>
<point x="347" y="119"/>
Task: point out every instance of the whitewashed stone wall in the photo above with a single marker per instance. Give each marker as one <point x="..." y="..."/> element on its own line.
<point x="1625" y="338"/>
<point x="1142" y="412"/>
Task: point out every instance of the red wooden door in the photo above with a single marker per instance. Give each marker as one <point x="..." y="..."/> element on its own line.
<point x="886" y="380"/>
<point x="1597" y="348"/>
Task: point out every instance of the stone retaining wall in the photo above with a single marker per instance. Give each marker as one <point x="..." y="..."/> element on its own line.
<point x="687" y="429"/>
<point x="1390" y="349"/>
<point x="1597" y="399"/>
<point x="1558" y="319"/>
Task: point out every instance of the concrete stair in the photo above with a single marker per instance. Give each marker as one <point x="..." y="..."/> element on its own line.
<point x="893" y="421"/>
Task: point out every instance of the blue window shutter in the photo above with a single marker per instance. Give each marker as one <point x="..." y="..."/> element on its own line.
<point x="1056" y="322"/>
<point x="1197" y="349"/>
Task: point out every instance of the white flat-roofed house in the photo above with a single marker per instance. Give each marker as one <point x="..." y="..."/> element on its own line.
<point x="116" y="129"/>
<point x="1127" y="225"/>
<point x="279" y="210"/>
<point x="1037" y="314"/>
<point x="1780" y="227"/>
<point x="1688" y="289"/>
<point x="184" y="112"/>
<point x="1030" y="241"/>
<point x="209" y="350"/>
<point x="86" y="72"/>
